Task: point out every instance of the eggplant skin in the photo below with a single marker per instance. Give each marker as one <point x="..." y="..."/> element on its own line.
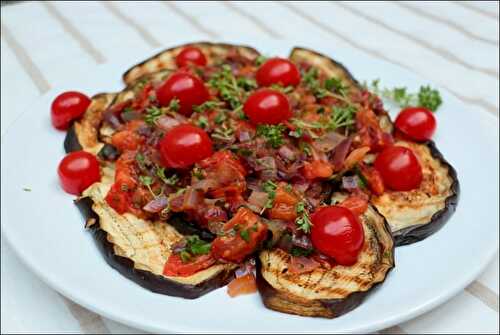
<point x="71" y="142"/>
<point x="146" y="279"/>
<point x="157" y="63"/>
<point x="417" y="233"/>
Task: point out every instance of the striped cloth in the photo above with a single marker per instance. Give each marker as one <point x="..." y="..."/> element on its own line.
<point x="455" y="44"/>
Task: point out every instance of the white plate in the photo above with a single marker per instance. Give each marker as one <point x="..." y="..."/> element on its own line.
<point x="46" y="229"/>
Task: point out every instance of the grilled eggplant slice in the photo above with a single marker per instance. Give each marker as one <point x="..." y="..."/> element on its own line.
<point x="138" y="249"/>
<point x="166" y="58"/>
<point x="331" y="292"/>
<point x="83" y="134"/>
<point x="413" y="215"/>
<point x="417" y="214"/>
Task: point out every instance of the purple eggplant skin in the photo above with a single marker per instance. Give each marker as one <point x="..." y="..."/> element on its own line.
<point x="146" y="279"/>
<point x="71" y="142"/>
<point x="417" y="233"/>
<point x="224" y="45"/>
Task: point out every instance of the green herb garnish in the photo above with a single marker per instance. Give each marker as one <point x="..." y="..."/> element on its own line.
<point x="270" y="188"/>
<point x="207" y="105"/>
<point x="202" y="122"/>
<point x="152" y="114"/>
<point x="272" y="133"/>
<point x="341" y="117"/>
<point x="172" y="180"/>
<point x="196" y="246"/>
<point x="245" y="235"/>
<point x="303" y="220"/>
<point x="298" y="251"/>
<point x="227" y="85"/>
<point x="260" y="60"/>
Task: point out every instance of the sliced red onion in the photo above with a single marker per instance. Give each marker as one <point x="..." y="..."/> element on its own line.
<point x="166" y="122"/>
<point x="258" y="199"/>
<point x="179" y="246"/>
<point x="246" y="268"/>
<point x="192" y="199"/>
<point x="267" y="168"/>
<point x="329" y="141"/>
<point x="156" y="205"/>
<point x="301" y="240"/>
<point x="244" y="136"/>
<point x="205" y="185"/>
<point x="340" y="153"/>
<point x="112" y="119"/>
<point x="288" y="153"/>
<point x="350" y="183"/>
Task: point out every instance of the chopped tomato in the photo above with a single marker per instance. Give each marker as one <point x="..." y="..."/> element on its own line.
<point x="227" y="170"/>
<point x="356" y="204"/>
<point x="128" y="138"/>
<point x="118" y="199"/>
<point x="302" y="264"/>
<point x="143" y="101"/>
<point x="373" y="178"/>
<point x="124" y="174"/>
<point x="317" y="169"/>
<point x="242" y="234"/>
<point x="369" y="131"/>
<point x="283" y="205"/>
<point x="242" y="285"/>
<point x="175" y="267"/>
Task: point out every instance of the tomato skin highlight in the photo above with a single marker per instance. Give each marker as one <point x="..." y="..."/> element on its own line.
<point x="337" y="233"/>
<point x="417" y="123"/>
<point x="190" y="55"/>
<point x="67" y="107"/>
<point x="77" y="171"/>
<point x="185" y="145"/>
<point x="399" y="168"/>
<point x="189" y="89"/>
<point x="267" y="106"/>
<point x="278" y="71"/>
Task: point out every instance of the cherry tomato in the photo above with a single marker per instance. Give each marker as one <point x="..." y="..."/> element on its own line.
<point x="190" y="55"/>
<point x="267" y="106"/>
<point x="185" y="145"/>
<point x="278" y="71"/>
<point x="67" y="107"/>
<point x="417" y="123"/>
<point x="337" y="233"/>
<point x="184" y="86"/>
<point x="399" y="168"/>
<point x="77" y="171"/>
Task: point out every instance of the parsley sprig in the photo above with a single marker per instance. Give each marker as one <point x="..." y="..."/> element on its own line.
<point x="303" y="220"/>
<point x="425" y="97"/>
<point x="228" y="86"/>
<point x="194" y="247"/>
<point x="270" y="188"/>
<point x="153" y="113"/>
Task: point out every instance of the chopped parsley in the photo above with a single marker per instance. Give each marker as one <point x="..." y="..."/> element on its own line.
<point x="202" y="122"/>
<point x="152" y="114"/>
<point x="341" y="117"/>
<point x="197" y="173"/>
<point x="227" y="85"/>
<point x="429" y="98"/>
<point x="245" y="235"/>
<point x="336" y="85"/>
<point x="246" y="83"/>
<point x="282" y="89"/>
<point x="272" y="133"/>
<point x="146" y="180"/>
<point x="141" y="161"/>
<point x="270" y="188"/>
<point x="221" y="117"/>
<point x="172" y="180"/>
<point x="174" y="105"/>
<point x="303" y="220"/>
<point x="223" y="133"/>
<point x="194" y="247"/>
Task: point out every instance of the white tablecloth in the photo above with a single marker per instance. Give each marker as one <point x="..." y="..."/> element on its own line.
<point x="453" y="44"/>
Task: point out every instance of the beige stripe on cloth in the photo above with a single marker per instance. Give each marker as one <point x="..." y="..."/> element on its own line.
<point x="439" y="19"/>
<point x="442" y="52"/>
<point x="146" y="36"/>
<point x="190" y="19"/>
<point x="484" y="293"/>
<point x="477" y="9"/>
<point x="75" y="33"/>
<point x="376" y="53"/>
<point x="25" y="60"/>
<point x="256" y="21"/>
<point x="90" y="323"/>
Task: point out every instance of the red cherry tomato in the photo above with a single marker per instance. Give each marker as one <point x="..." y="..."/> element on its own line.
<point x="399" y="168"/>
<point x="278" y="71"/>
<point x="184" y="86"/>
<point x="185" y="145"/>
<point x="77" y="171"/>
<point x="267" y="106"/>
<point x="337" y="233"/>
<point x="66" y="107"/>
<point x="190" y="55"/>
<point x="417" y="123"/>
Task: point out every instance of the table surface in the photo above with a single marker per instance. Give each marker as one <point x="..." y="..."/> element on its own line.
<point x="454" y="44"/>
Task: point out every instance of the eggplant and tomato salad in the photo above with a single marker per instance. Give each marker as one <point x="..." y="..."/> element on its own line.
<point x="216" y="165"/>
